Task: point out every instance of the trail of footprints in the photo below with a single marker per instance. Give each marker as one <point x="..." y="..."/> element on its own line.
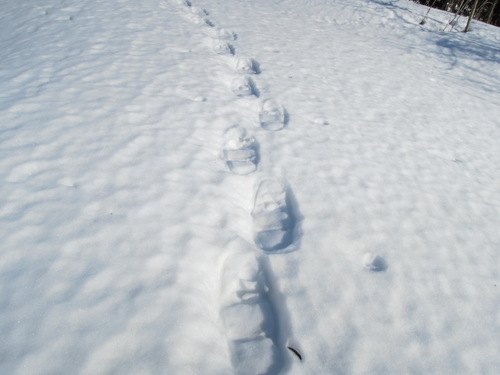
<point x="248" y="313"/>
<point x="248" y="304"/>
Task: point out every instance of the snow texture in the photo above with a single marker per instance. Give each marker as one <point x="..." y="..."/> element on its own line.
<point x="137" y="235"/>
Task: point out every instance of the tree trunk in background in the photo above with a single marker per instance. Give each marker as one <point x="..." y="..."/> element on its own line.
<point x="471" y="16"/>
<point x="492" y="11"/>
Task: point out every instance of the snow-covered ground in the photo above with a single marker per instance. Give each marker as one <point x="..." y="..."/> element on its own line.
<point x="194" y="187"/>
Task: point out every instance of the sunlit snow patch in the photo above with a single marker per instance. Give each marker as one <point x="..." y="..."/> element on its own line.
<point x="239" y="151"/>
<point x="273" y="220"/>
<point x="272" y="115"/>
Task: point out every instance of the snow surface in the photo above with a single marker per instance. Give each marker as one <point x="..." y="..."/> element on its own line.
<point x="119" y="217"/>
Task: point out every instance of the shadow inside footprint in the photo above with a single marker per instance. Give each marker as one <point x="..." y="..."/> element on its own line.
<point x="256" y="66"/>
<point x="374" y="262"/>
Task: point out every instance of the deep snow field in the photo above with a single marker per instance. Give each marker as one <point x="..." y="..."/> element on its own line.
<point x="206" y="186"/>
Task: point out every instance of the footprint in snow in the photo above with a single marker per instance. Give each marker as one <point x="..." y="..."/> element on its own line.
<point x="198" y="11"/>
<point x="226" y="34"/>
<point x="374" y="262"/>
<point x="185" y="3"/>
<point x="198" y="20"/>
<point x="222" y="47"/>
<point x="248" y="317"/>
<point x="240" y="151"/>
<point x="273" y="217"/>
<point x="243" y="86"/>
<point x="272" y="115"/>
<point x="245" y="65"/>
<point x="218" y="33"/>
